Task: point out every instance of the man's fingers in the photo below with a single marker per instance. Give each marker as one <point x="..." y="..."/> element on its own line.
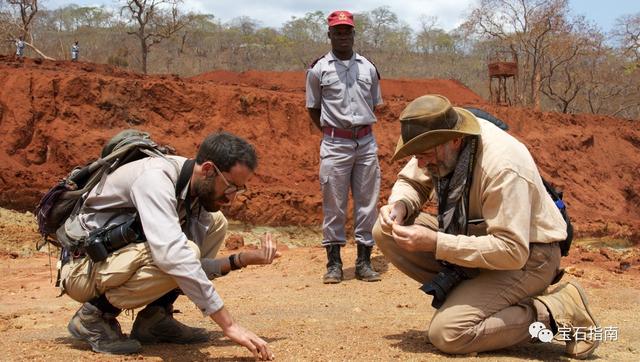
<point x="400" y="230"/>
<point x="384" y="215"/>
<point x="261" y="347"/>
<point x="263" y="351"/>
<point x="273" y="248"/>
<point x="393" y="215"/>
<point x="252" y="347"/>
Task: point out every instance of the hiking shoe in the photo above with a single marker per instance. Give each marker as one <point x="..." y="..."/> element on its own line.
<point x="155" y="324"/>
<point x="334" y="265"/>
<point x="101" y="330"/>
<point x="364" y="270"/>
<point x="569" y="308"/>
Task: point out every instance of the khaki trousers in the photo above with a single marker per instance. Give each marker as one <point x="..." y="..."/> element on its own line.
<point x="489" y="312"/>
<point x="128" y="277"/>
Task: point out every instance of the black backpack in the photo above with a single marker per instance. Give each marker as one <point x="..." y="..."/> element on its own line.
<point x="66" y="197"/>
<point x="555" y="195"/>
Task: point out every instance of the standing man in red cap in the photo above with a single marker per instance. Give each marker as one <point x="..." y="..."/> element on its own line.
<point x="342" y="92"/>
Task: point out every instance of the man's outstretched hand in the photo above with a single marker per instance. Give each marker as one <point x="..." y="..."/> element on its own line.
<point x="267" y="252"/>
<point x="242" y="336"/>
<point x="248" y="339"/>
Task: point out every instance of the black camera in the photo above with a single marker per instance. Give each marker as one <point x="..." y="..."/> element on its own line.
<point x="444" y="282"/>
<point x="103" y="242"/>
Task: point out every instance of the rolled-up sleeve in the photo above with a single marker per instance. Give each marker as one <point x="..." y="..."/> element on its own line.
<point x="313" y="91"/>
<point x="506" y="207"/>
<point x="157" y="207"/>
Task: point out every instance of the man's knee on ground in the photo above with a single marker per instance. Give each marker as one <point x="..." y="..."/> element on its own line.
<point x="450" y="335"/>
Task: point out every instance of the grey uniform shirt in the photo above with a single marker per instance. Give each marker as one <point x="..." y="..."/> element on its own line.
<point x="346" y="95"/>
<point x="149" y="186"/>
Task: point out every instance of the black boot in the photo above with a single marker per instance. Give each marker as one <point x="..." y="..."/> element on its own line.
<point x="334" y="265"/>
<point x="364" y="271"/>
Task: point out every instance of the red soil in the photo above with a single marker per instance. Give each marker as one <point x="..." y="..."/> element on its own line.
<point x="55" y="115"/>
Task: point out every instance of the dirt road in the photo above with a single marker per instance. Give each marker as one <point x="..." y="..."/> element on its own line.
<point x="287" y="304"/>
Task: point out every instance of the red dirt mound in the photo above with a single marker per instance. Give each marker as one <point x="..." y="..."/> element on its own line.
<point x="55" y="115"/>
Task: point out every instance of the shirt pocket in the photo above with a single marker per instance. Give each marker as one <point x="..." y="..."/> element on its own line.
<point x="364" y="83"/>
<point x="331" y="87"/>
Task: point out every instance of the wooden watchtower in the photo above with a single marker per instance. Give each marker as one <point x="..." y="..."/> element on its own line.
<point x="505" y="72"/>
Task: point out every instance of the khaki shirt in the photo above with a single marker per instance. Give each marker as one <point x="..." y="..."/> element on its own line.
<point x="346" y="95"/>
<point x="506" y="192"/>
<point x="149" y="186"/>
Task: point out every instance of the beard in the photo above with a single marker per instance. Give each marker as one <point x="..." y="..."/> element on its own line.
<point x="442" y="167"/>
<point x="205" y="191"/>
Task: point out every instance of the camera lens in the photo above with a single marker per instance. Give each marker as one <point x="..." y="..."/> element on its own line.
<point x="120" y="236"/>
<point x="442" y="284"/>
<point x="95" y="248"/>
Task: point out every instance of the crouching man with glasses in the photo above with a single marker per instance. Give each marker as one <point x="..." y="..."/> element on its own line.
<point x="176" y="206"/>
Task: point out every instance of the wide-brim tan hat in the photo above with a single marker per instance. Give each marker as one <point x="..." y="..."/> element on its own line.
<point x="429" y="121"/>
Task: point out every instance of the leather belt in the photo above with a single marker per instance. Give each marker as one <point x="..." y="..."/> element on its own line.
<point x="346" y="132"/>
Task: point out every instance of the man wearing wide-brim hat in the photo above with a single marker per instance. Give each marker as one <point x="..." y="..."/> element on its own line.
<point x="493" y="247"/>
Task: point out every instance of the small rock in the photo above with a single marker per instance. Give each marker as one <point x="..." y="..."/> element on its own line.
<point x="283" y="247"/>
<point x="577" y="272"/>
<point x="604" y="252"/>
<point x="624" y="265"/>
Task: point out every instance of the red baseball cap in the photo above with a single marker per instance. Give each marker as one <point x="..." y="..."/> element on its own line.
<point x="340" y="17"/>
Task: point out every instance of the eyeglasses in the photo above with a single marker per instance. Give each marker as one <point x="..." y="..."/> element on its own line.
<point x="231" y="188"/>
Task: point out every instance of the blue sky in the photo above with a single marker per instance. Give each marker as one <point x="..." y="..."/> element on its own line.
<point x="449" y="12"/>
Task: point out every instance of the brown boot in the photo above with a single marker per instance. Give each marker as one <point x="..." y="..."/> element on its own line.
<point x="155" y="324"/>
<point x="102" y="331"/>
<point x="568" y="306"/>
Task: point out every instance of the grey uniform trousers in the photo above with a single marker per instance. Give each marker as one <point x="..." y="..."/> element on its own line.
<point x="489" y="312"/>
<point x="349" y="164"/>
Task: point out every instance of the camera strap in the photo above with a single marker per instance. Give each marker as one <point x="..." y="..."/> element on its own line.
<point x="183" y="181"/>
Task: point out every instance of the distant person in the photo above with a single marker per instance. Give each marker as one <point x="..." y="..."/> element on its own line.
<point x="342" y="90"/>
<point x="20" y="48"/>
<point x="168" y="210"/>
<point x="493" y="248"/>
<point x="75" y="52"/>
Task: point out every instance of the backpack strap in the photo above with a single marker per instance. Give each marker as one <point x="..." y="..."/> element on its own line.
<point x="183" y="181"/>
